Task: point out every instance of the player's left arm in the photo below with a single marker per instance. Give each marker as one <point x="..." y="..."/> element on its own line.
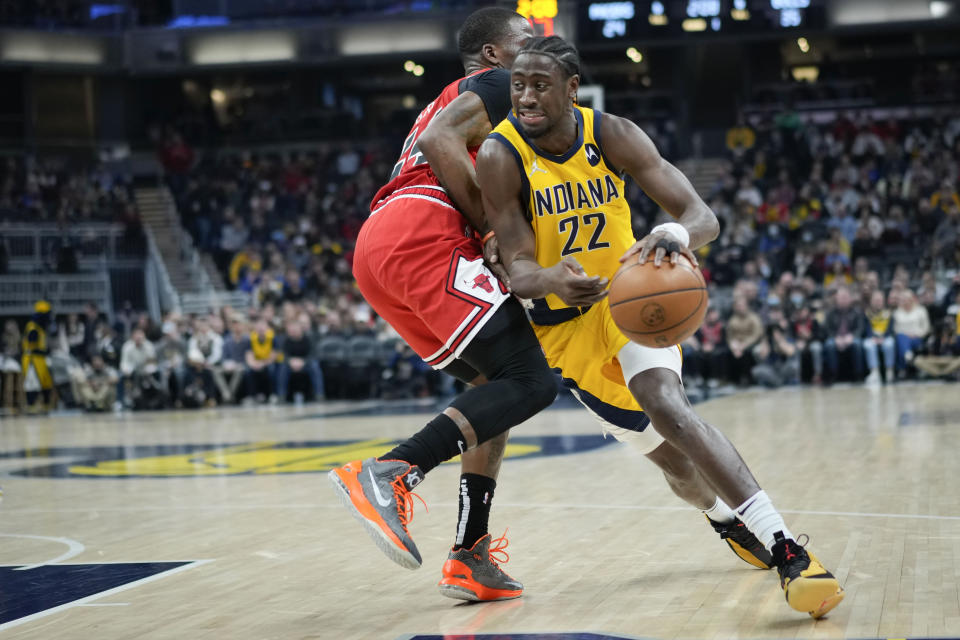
<point x="629" y="148"/>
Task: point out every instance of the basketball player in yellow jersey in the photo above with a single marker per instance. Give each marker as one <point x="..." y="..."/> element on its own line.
<point x="550" y="179"/>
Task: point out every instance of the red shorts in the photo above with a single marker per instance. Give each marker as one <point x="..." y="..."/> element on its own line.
<point x="420" y="267"/>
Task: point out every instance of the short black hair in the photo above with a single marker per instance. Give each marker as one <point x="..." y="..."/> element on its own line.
<point x="564" y="53"/>
<point x="483" y="26"/>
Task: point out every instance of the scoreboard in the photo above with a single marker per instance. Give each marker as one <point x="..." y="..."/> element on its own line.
<point x="650" y="19"/>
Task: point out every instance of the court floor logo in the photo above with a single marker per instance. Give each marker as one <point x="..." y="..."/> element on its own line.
<point x="256" y="458"/>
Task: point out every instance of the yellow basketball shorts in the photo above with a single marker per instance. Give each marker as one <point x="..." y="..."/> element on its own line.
<point x="588" y="351"/>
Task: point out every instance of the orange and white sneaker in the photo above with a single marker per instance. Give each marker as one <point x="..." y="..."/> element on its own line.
<point x="807" y="585"/>
<point x="378" y="494"/>
<point x="473" y="574"/>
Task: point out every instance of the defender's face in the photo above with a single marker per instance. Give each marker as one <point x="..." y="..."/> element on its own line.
<point x="520" y="31"/>
<point x="540" y="92"/>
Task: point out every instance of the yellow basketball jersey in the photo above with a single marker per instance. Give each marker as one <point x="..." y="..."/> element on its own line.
<point x="575" y="203"/>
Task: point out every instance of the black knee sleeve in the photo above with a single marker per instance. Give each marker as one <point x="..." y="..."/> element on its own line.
<point x="520" y="385"/>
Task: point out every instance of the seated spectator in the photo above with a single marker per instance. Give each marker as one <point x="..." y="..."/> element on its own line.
<point x="96" y="388"/>
<point x="245" y="266"/>
<point x="10" y="364"/>
<point x="172" y="357"/>
<point x="808" y="338"/>
<point x="229" y="374"/>
<point x="204" y="353"/>
<point x="878" y="336"/>
<point x="843" y="328"/>
<point x="744" y="330"/>
<point x="137" y="352"/>
<point x="298" y="366"/>
<point x="261" y="360"/>
<point x="911" y="324"/>
<point x="713" y="348"/>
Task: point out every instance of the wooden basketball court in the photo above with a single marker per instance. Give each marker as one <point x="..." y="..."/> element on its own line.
<point x="222" y="524"/>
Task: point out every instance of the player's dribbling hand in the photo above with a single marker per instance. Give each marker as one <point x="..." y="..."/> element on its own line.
<point x="660" y="244"/>
<point x="575" y="287"/>
<point x="491" y="255"/>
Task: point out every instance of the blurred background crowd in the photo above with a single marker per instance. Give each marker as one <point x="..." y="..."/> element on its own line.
<point x="182" y="185"/>
<point x="837" y="261"/>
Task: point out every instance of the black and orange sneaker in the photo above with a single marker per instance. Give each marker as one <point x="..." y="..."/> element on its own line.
<point x="474" y="574"/>
<point x="378" y="494"/>
<point x="807" y="586"/>
<point x="743" y="543"/>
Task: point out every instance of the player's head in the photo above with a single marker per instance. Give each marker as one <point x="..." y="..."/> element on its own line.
<point x="544" y="82"/>
<point x="491" y="37"/>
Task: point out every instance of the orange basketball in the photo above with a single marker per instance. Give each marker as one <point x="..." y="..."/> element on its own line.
<point x="658" y="306"/>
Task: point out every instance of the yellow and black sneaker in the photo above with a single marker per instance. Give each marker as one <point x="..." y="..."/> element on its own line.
<point x="807" y="586"/>
<point x="742" y="542"/>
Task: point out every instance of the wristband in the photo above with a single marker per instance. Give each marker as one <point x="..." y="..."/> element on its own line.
<point x="675" y="229"/>
<point x="483" y="241"/>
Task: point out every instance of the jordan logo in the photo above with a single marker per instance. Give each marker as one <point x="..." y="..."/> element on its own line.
<point x="534" y="168"/>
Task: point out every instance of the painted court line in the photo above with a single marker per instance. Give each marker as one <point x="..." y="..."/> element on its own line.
<point x="74" y="548"/>
<point x="96" y="596"/>
<point x="500" y="505"/>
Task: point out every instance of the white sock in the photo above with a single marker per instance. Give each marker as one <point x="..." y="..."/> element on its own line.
<point x="759" y="516"/>
<point x="721" y="512"/>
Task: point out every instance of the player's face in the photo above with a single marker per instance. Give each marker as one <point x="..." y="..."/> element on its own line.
<point x="541" y="93"/>
<point x="519" y="32"/>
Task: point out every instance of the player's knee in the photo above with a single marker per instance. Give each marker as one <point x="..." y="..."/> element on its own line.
<point x="543" y="390"/>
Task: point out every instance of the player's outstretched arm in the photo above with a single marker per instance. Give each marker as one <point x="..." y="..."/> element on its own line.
<point x="502" y="200"/>
<point x="629" y="148"/>
<point x="461" y="125"/>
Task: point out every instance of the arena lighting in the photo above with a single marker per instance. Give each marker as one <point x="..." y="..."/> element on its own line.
<point x="658" y="15"/>
<point x="703" y="8"/>
<point x="694" y="24"/>
<point x="805" y="74"/>
<point x="739" y="11"/>
<point x="803" y="44"/>
<point x="408" y="101"/>
<point x="418" y="70"/>
<point x="634" y="55"/>
<point x="940" y="8"/>
<point x="409" y="65"/>
<point x="234" y="48"/>
<point x="218" y="96"/>
<point x="51" y="47"/>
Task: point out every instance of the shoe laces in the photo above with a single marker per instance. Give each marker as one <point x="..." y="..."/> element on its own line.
<point x="404" y="502"/>
<point x="497" y="550"/>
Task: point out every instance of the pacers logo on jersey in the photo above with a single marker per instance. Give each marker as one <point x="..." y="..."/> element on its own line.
<point x="255" y="458"/>
<point x="592" y="153"/>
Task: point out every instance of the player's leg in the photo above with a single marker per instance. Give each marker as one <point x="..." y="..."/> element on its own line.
<point x="808" y="585"/>
<point x="490" y="333"/>
<point x="632" y="427"/>
<point x="472" y="571"/>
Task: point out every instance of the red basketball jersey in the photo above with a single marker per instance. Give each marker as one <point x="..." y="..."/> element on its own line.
<point x="411" y="167"/>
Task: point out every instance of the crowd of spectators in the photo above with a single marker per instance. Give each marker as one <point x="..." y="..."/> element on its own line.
<point x="839" y="248"/>
<point x="838" y="260"/>
<point x="276" y="354"/>
<point x="838" y="239"/>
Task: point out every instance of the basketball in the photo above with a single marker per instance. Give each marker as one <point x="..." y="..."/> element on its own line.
<point x="658" y="306"/>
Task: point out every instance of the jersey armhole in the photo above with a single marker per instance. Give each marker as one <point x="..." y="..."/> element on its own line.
<point x="598" y="136"/>
<point x="493" y="88"/>
<point x="524" y="181"/>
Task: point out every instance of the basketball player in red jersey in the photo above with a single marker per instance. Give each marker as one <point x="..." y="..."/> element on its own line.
<point x="419" y="263"/>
